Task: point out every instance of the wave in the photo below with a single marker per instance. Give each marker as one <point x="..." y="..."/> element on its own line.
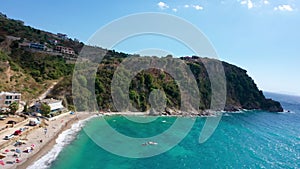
<point x="287" y="112"/>
<point x="65" y="138"/>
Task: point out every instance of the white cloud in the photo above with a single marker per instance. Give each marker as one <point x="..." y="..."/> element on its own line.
<point x="266" y="2"/>
<point x="197" y="7"/>
<point x="162" y="5"/>
<point x="186" y="6"/>
<point x="175" y="9"/>
<point x="249" y="3"/>
<point x="284" y="8"/>
<point x="243" y="2"/>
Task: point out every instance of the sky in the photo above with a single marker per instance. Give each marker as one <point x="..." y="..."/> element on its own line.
<point x="261" y="36"/>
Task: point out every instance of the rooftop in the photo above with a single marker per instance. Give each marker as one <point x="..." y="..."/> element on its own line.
<point x="49" y="101"/>
<point x="10" y="93"/>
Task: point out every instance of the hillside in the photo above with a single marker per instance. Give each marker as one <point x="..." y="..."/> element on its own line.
<point x="34" y="61"/>
<point x="30" y="70"/>
<point x="14" y="78"/>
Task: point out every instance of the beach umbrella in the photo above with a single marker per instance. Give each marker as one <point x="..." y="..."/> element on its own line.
<point x="32" y="145"/>
<point x="6" y="150"/>
<point x="28" y="149"/>
<point x="1" y="162"/>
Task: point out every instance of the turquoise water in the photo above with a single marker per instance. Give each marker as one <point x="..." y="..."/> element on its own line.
<point x="247" y="140"/>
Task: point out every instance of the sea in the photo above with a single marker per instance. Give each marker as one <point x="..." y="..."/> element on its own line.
<point x="246" y="139"/>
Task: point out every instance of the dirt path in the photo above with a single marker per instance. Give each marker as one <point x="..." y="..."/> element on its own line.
<point x="8" y="72"/>
<point x="43" y="95"/>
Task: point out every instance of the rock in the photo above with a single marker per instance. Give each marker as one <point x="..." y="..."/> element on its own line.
<point x="169" y="111"/>
<point x="232" y="108"/>
<point x="272" y="106"/>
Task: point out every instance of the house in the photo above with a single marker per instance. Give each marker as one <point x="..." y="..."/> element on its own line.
<point x="186" y="58"/>
<point x="68" y="51"/>
<point x="37" y="46"/>
<point x="65" y="50"/>
<point x="62" y="36"/>
<point x="6" y="98"/>
<point x="55" y="105"/>
<point x="53" y="42"/>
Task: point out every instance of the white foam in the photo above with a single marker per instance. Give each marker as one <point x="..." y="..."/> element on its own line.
<point x="65" y="138"/>
<point x="287" y="111"/>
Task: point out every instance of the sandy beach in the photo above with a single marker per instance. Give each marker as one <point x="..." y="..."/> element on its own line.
<point x="34" y="137"/>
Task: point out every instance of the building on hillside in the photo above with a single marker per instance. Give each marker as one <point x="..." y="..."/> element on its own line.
<point x="53" y="42"/>
<point x="65" y="50"/>
<point x="55" y="105"/>
<point x="186" y="58"/>
<point x="62" y="36"/>
<point x="37" y="46"/>
<point x="6" y="98"/>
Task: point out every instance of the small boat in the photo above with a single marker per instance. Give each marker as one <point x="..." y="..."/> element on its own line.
<point x="149" y="143"/>
<point x="152" y="143"/>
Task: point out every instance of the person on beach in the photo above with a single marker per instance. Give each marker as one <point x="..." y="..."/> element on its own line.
<point x="45" y="131"/>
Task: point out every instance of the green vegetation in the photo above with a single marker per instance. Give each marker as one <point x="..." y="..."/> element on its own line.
<point x="242" y="92"/>
<point x="13" y="107"/>
<point x="41" y="66"/>
<point x="45" y="109"/>
<point x="14" y="78"/>
<point x="2" y="38"/>
<point x="25" y="107"/>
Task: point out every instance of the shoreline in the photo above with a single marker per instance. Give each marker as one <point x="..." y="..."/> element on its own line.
<point x="48" y="145"/>
<point x="46" y="148"/>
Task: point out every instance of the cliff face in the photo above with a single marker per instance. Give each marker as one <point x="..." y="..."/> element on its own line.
<point x="41" y="67"/>
<point x="243" y="93"/>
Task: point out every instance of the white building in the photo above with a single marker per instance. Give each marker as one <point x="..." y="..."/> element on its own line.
<point x="6" y="98"/>
<point x="55" y="105"/>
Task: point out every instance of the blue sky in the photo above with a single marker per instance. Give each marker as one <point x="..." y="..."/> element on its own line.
<point x="261" y="36"/>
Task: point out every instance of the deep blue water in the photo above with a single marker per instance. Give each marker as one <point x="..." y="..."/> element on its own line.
<point x="253" y="139"/>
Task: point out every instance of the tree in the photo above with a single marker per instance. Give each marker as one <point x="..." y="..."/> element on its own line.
<point x="25" y="107"/>
<point x="13" y="107"/>
<point x="2" y="38"/>
<point x="45" y="109"/>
